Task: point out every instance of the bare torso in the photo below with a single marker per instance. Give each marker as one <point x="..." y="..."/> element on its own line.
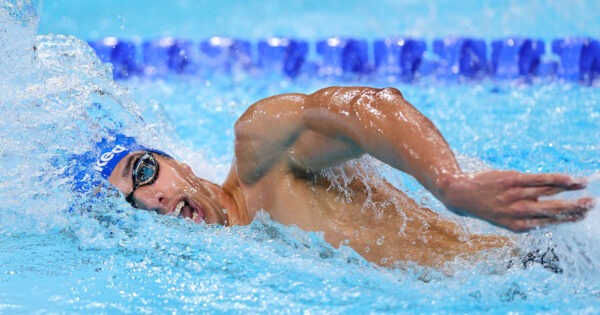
<point x="377" y="220"/>
<point x="289" y="147"/>
<point x="284" y="143"/>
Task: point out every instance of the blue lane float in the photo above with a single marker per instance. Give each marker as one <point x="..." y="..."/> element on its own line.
<point x="342" y="55"/>
<point x="399" y="56"/>
<point x="569" y="59"/>
<point x="225" y="54"/>
<point x="282" y="55"/>
<point x="516" y="57"/>
<point x="461" y="57"/>
<point x="579" y="58"/>
<point x="121" y="53"/>
<point x="167" y="55"/>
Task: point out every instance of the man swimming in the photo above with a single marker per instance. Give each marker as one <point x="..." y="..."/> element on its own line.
<point x="284" y="143"/>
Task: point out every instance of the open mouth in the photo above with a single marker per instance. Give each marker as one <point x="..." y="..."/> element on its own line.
<point x="184" y="210"/>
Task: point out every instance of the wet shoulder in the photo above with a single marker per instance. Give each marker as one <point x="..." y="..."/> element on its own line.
<point x="264" y="134"/>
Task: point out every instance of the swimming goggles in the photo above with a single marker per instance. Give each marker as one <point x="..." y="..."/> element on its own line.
<point x="145" y="172"/>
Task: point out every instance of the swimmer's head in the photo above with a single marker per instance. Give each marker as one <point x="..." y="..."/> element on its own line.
<point x="112" y="151"/>
<point x="152" y="180"/>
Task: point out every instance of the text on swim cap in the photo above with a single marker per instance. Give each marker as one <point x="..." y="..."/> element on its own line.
<point x="107" y="156"/>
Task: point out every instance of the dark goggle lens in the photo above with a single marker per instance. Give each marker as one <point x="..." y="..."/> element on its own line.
<point x="145" y="170"/>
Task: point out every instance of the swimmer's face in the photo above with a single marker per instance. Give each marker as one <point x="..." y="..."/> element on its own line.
<point x="168" y="187"/>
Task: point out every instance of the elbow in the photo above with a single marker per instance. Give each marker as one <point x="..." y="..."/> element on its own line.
<point x="378" y="102"/>
<point x="389" y="93"/>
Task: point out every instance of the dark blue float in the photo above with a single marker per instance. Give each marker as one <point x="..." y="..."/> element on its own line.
<point x="570" y="59"/>
<point x="399" y="56"/>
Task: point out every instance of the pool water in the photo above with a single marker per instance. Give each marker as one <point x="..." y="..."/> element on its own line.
<point x="314" y="19"/>
<point x="67" y="252"/>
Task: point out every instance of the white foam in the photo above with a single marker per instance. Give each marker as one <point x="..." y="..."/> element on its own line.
<point x="18" y="27"/>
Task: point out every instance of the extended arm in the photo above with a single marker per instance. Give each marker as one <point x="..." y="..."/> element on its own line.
<point x="311" y="132"/>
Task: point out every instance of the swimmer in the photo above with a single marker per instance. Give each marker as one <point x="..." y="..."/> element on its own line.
<point x="282" y="145"/>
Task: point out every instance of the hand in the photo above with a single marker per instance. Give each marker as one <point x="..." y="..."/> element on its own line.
<point x="511" y="199"/>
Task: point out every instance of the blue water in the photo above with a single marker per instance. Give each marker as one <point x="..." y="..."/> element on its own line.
<point x="103" y="257"/>
<point x="312" y="19"/>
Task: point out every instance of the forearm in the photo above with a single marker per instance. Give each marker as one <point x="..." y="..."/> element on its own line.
<point x="383" y="124"/>
<point x="306" y="133"/>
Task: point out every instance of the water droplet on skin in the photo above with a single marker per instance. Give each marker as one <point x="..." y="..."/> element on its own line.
<point x="424" y="201"/>
<point x="380" y="240"/>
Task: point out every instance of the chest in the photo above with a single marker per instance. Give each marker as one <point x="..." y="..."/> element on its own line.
<point x="378" y="221"/>
<point x="313" y="205"/>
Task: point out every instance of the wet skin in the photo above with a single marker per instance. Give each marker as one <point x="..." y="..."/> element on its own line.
<point x="283" y="143"/>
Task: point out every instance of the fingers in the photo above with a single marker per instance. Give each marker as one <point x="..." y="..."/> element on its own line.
<point x="553" y="179"/>
<point x="532" y="193"/>
<point x="552" y="209"/>
<point x="528" y="224"/>
<point x="553" y="212"/>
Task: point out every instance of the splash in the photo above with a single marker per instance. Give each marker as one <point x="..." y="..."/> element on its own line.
<point x="57" y="100"/>
<point x="18" y="26"/>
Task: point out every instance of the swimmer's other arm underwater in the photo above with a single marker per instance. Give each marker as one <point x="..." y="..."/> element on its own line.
<point x="284" y="142"/>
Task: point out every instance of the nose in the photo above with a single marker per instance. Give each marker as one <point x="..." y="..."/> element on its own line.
<point x="150" y="198"/>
